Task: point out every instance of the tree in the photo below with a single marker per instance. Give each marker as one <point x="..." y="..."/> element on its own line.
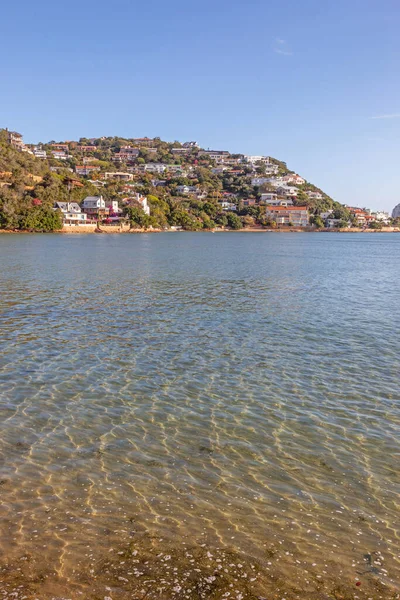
<point x="317" y="221"/>
<point x="234" y="221"/>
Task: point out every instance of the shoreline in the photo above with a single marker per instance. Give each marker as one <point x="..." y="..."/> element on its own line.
<point x="74" y="230"/>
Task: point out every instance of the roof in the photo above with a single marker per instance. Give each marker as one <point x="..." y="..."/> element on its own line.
<point x="286" y="208"/>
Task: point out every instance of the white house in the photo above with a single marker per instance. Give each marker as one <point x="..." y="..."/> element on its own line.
<point x="274" y="200"/>
<point x="39" y="152"/>
<point x="382" y="216"/>
<point x="94" y="206"/>
<point x="118" y="176"/>
<point x="293" y="178"/>
<point x="314" y="195"/>
<point x="141" y="200"/>
<point x="71" y="213"/>
<point x="287" y="190"/>
<point x="228" y="206"/>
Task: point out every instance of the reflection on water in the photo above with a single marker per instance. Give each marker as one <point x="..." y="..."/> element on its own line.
<point x="200" y="416"/>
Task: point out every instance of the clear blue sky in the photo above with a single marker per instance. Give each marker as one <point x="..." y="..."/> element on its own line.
<point x="315" y="83"/>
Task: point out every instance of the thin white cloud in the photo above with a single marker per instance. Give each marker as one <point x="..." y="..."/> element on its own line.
<point x="393" y="116"/>
<point x="281" y="47"/>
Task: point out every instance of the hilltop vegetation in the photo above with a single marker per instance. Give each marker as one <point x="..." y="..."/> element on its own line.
<point x="184" y="185"/>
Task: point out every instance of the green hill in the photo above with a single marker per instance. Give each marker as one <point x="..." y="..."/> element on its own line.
<point x="185" y="185"/>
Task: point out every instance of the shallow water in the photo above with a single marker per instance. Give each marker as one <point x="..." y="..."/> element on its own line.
<point x="176" y="405"/>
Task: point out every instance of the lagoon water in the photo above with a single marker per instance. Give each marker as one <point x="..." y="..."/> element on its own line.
<point x="197" y="415"/>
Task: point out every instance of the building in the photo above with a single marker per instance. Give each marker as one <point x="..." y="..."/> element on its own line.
<point x="293" y="178"/>
<point x="180" y="151"/>
<point x="71" y="213"/>
<point x="138" y="199"/>
<point x="113" y="208"/>
<point x="84" y="170"/>
<point x="127" y="154"/>
<point x="381" y="216"/>
<point x="94" y="206"/>
<point x="39" y="152"/>
<point x="287" y="190"/>
<point x="360" y="215"/>
<point x="158" y="182"/>
<point x="225" y="205"/>
<point x="270" y="198"/>
<point x="396" y="212"/>
<point x="285" y="215"/>
<point x="275" y="200"/>
<point x="15" y="140"/>
<point x="87" y="148"/>
<point x="118" y="176"/>
<point x="330" y="223"/>
<point x="249" y="202"/>
<point x="60" y="154"/>
<point x="215" y="154"/>
<point x="191" y="190"/>
<point x="314" y="195"/>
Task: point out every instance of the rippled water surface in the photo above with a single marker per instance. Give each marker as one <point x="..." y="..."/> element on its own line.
<point x="200" y="416"/>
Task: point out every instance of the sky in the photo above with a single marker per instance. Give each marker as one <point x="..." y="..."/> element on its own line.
<point x="315" y="84"/>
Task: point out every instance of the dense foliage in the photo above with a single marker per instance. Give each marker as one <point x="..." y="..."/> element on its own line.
<point x="30" y="186"/>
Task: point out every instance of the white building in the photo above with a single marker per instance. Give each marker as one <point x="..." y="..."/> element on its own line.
<point x="71" y="213"/>
<point x="287" y="190"/>
<point x="293" y="178"/>
<point x="314" y="195"/>
<point x="228" y="206"/>
<point x="382" y="216"/>
<point x="94" y="206"/>
<point x="119" y="176"/>
<point x="39" y="152"/>
<point x="274" y="200"/>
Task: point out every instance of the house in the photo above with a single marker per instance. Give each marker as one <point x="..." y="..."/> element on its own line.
<point x="270" y="198"/>
<point x="249" y="202"/>
<point x="314" y="195"/>
<point x="94" y="206"/>
<point x="15" y="140"/>
<point x="381" y="216"/>
<point x="118" y="176"/>
<point x="360" y="215"/>
<point x="127" y="154"/>
<point x="218" y="170"/>
<point x="113" y="209"/>
<point x="138" y="199"/>
<point x="332" y="222"/>
<point x="225" y="205"/>
<point x="71" y="213"/>
<point x="256" y="159"/>
<point x="285" y="215"/>
<point x="39" y="152"/>
<point x="60" y="154"/>
<point x="87" y="148"/>
<point x="215" y="154"/>
<point x="293" y="178"/>
<point x="84" y="170"/>
<point x="177" y="169"/>
<point x="192" y="190"/>
<point x="180" y="151"/>
<point x="158" y="182"/>
<point x="326" y="215"/>
<point x="287" y="190"/>
<point x="155" y="167"/>
<point x="263" y="180"/>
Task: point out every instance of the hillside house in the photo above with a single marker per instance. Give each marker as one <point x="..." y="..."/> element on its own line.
<point x="118" y="176"/>
<point x="285" y="215"/>
<point x="84" y="170"/>
<point x="94" y="207"/>
<point x="71" y="213"/>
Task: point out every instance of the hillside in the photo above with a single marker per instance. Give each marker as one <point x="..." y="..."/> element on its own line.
<point x="185" y="185"/>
